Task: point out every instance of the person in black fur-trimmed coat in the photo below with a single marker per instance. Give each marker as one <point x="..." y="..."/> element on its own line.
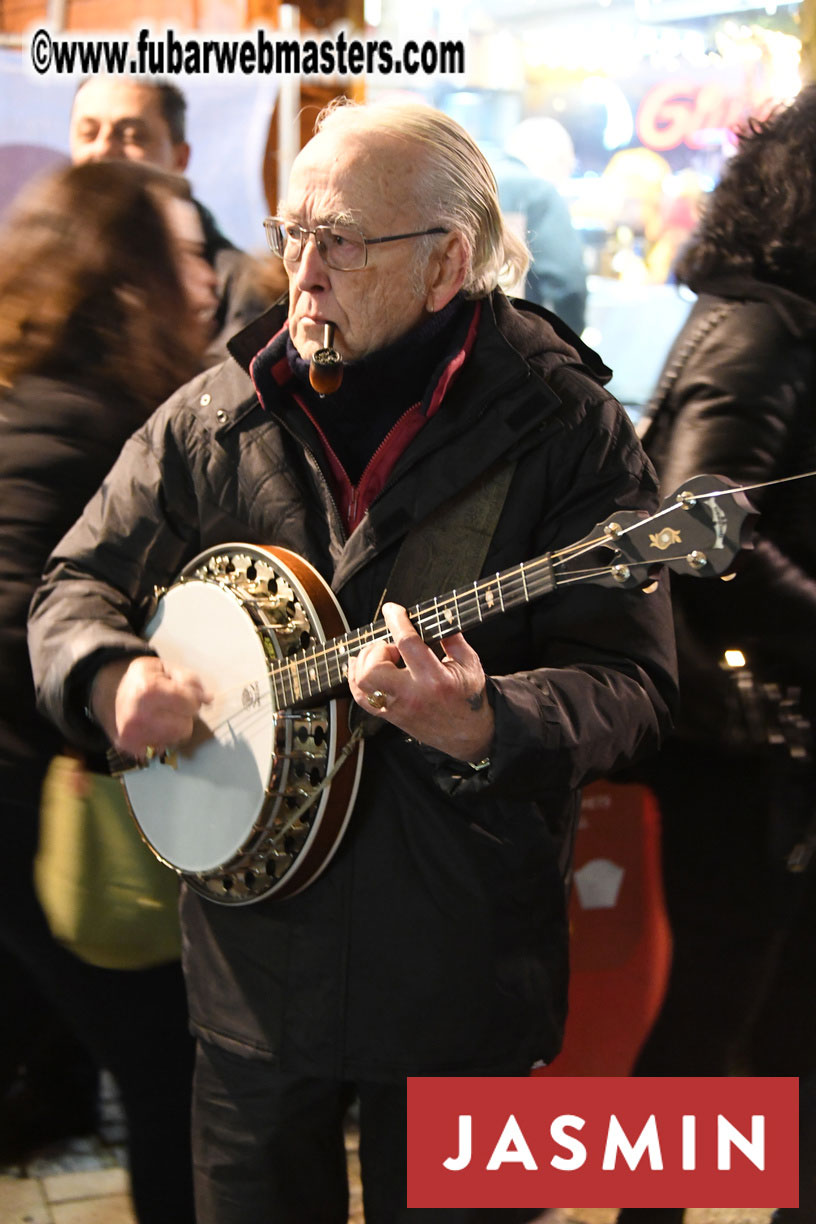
<point x="736" y="783"/>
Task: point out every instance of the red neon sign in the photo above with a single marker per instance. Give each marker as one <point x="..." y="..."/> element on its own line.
<point x="682" y="112"/>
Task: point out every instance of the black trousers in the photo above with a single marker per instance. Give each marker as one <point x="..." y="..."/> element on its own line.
<point x="731" y="905"/>
<point x="268" y="1148"/>
<point x="741" y="997"/>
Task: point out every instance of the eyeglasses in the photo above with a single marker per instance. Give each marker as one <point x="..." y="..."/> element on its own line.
<point x="340" y="247"/>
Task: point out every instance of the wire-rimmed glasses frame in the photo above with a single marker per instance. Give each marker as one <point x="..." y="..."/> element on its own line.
<point x="341" y="247"/>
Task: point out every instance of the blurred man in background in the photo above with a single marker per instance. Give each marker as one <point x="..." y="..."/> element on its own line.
<point x="145" y="120"/>
<point x="537" y="157"/>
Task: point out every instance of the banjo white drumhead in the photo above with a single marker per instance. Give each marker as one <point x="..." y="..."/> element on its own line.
<point x="199" y="809"/>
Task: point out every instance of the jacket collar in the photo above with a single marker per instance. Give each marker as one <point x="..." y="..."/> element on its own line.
<point x="555" y="344"/>
<point x="519" y="320"/>
<point x="797" y="313"/>
<point x="247" y="343"/>
<point x="518" y="346"/>
<point x="496" y="409"/>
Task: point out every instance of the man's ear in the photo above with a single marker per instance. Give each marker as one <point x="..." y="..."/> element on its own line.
<point x="447" y="270"/>
<point x="181" y="156"/>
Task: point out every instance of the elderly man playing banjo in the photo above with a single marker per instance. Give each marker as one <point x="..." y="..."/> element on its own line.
<point x="360" y="907"/>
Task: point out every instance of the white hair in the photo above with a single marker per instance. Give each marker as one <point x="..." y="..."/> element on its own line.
<point x="454" y="186"/>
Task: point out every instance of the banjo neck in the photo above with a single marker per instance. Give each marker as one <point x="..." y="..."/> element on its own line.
<point x="698" y="531"/>
<point x="320" y="670"/>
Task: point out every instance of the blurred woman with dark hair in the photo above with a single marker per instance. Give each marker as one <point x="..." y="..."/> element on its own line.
<point x="105" y="308"/>
<point x="100" y="285"/>
<point x="736" y="783"/>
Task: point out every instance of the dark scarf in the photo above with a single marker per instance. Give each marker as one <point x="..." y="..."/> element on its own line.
<point x="380" y="387"/>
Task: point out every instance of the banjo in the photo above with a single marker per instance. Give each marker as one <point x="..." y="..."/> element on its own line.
<point x="256" y="803"/>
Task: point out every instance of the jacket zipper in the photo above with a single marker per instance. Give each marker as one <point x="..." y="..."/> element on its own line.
<point x="355" y="495"/>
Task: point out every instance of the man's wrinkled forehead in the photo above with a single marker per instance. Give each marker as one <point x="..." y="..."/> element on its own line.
<point x="358" y="175"/>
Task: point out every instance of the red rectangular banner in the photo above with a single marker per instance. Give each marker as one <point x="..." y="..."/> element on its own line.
<point x="628" y="1142"/>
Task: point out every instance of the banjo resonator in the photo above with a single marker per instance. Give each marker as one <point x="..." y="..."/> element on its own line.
<point x="245" y="809"/>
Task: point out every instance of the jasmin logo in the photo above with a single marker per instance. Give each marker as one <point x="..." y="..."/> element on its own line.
<point x="637" y="1142"/>
<point x="512" y="1146"/>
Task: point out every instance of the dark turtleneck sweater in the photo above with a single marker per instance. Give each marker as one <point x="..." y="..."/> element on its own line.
<point x="380" y="387"/>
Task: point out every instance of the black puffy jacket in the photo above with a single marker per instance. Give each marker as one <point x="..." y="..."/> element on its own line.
<point x="738" y="397"/>
<point x="58" y="438"/>
<point x="437" y="937"/>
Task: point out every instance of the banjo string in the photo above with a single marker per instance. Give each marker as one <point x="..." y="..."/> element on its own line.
<point x="280" y="668"/>
<point x="378" y="632"/>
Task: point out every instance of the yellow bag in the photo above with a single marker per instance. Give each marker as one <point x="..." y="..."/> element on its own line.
<point x="105" y="895"/>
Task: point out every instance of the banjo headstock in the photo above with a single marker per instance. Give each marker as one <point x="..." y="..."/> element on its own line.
<point x="699" y="531"/>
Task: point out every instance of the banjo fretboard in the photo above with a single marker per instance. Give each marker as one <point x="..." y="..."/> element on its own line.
<point x="319" y="670"/>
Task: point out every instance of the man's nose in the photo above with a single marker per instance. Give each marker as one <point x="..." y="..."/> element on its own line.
<point x="106" y="145"/>
<point x="311" y="270"/>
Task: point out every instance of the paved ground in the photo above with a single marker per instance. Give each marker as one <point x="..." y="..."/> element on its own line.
<point x="84" y="1182"/>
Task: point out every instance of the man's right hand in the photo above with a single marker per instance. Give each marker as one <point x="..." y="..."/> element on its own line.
<point x="141" y="703"/>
